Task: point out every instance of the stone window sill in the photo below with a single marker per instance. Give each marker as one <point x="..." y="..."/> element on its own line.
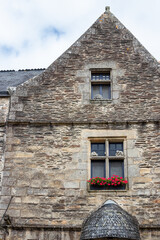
<point x="106" y="189"/>
<point x="103" y="191"/>
<point x="100" y="100"/>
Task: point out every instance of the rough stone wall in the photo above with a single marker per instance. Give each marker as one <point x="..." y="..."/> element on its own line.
<point x="150" y="234"/>
<point x="48" y="180"/>
<point x="2" y="134"/>
<point x="64" y="234"/>
<point x="4" y="104"/>
<point x="43" y="234"/>
<point x="62" y="92"/>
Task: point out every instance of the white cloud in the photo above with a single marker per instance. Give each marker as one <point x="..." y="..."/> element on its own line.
<point x="37" y="31"/>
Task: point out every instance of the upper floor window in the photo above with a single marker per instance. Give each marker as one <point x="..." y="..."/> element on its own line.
<point x="100" y="85"/>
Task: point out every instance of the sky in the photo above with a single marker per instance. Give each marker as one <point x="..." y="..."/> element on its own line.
<point x="33" y="33"/>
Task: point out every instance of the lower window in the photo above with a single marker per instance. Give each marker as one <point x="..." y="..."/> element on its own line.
<point x="107" y="165"/>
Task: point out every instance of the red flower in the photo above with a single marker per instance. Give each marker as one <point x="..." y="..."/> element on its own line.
<point x="114" y="181"/>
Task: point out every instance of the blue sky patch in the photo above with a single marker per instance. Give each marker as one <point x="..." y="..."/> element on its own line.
<point x="51" y="31"/>
<point x="8" y="50"/>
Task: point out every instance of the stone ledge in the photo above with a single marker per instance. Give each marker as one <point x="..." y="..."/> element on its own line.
<point x="10" y="122"/>
<point x="45" y="227"/>
<point x="104" y="191"/>
<point x="149" y="227"/>
<point x="65" y="228"/>
<point x="101" y="100"/>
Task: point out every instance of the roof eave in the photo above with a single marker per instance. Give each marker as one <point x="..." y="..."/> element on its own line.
<point x="4" y="94"/>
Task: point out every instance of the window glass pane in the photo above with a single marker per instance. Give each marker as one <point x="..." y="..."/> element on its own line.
<point x="107" y="76"/>
<point x="98" y="168"/>
<point x="93" y="77"/>
<point x="97" y="76"/>
<point x="113" y="147"/>
<point x="94" y="147"/>
<point x="100" y="76"/>
<point x="99" y="148"/>
<point x="119" y="146"/>
<point x="106" y="91"/>
<point x="95" y="90"/>
<point x="116" y="168"/>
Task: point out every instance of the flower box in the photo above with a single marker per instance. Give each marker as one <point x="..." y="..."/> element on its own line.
<point x="113" y="183"/>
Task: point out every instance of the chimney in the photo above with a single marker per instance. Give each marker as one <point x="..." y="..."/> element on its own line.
<point x="107" y="9"/>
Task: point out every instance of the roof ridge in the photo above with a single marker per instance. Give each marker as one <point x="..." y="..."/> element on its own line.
<point x="24" y="70"/>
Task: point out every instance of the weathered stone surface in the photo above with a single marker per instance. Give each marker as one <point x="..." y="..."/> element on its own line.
<point x="65" y="234"/>
<point x="55" y="180"/>
<point x="4" y="107"/>
<point x="43" y="234"/>
<point x="62" y="92"/>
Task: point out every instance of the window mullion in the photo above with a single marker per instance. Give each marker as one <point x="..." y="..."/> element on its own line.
<point x="107" y="158"/>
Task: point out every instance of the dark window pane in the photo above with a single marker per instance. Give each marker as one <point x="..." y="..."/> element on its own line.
<point x="116" y="168"/>
<point x="113" y="147"/>
<point x="100" y="76"/>
<point x="98" y="168"/>
<point x="101" y="89"/>
<point x="99" y="148"/>
<point x="95" y="90"/>
<point x="106" y="94"/>
<point x="107" y="76"/>
<point x="94" y="147"/>
<point x="119" y="146"/>
<point x="97" y="77"/>
<point x="93" y="77"/>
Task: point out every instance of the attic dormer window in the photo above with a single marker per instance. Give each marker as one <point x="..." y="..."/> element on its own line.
<point x="100" y="85"/>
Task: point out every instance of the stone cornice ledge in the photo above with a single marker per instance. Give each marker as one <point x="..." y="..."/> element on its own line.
<point x="44" y="122"/>
<point x="66" y="227"/>
<point x="45" y="227"/>
<point x="150" y="227"/>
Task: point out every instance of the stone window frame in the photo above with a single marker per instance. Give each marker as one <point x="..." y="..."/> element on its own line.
<point x="107" y="140"/>
<point x="101" y="82"/>
<point x="84" y="87"/>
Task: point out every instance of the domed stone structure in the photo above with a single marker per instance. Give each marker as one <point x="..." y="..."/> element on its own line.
<point x="110" y="222"/>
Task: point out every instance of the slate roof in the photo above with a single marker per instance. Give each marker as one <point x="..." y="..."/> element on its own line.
<point x="110" y="221"/>
<point x="11" y="78"/>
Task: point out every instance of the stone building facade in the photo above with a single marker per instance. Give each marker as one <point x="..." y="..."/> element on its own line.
<point x="50" y="122"/>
